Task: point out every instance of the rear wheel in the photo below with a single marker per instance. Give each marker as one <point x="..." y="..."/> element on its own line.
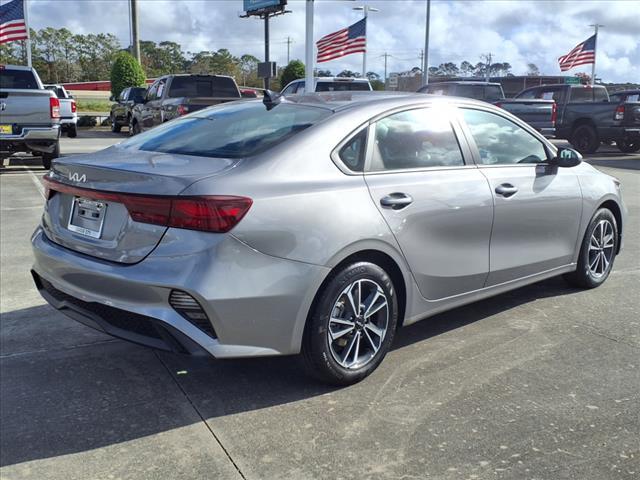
<point x="627" y="145"/>
<point x="73" y="131"/>
<point x="115" y="128"/>
<point x="352" y="325"/>
<point x="585" y="139"/>
<point x="47" y="158"/>
<point x="598" y="251"/>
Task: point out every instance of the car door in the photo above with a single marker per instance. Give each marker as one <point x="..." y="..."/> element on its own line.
<point x="436" y="202"/>
<point x="120" y="106"/>
<point x="537" y="205"/>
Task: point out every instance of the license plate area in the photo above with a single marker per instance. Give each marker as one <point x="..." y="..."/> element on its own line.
<point x="87" y="217"/>
<point x="6" y="129"/>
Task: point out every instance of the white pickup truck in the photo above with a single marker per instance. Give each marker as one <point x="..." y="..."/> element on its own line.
<point x="68" y="110"/>
<point x="29" y="115"/>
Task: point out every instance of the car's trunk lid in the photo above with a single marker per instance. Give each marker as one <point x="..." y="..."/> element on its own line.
<point x="81" y="217"/>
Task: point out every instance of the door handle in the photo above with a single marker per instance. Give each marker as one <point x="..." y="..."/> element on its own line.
<point x="396" y="200"/>
<point x="506" y="190"/>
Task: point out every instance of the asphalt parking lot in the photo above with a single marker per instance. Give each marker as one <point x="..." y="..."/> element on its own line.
<point x="539" y="383"/>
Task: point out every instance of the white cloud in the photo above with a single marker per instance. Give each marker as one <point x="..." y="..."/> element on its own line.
<point x="517" y="32"/>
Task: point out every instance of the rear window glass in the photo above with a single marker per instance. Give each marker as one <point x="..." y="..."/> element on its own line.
<point x="17" y="79"/>
<point x="633" y="98"/>
<point x="470" y="91"/>
<point x="342" y="87"/>
<point x="586" y="94"/>
<point x="137" y="94"/>
<point x="229" y="131"/>
<point x="203" y="87"/>
<point x="493" y="92"/>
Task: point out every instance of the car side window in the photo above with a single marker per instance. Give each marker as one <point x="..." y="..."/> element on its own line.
<point x="124" y="94"/>
<point x="418" y="138"/>
<point x="290" y="90"/>
<point x="502" y="142"/>
<point x="352" y="153"/>
<point x="152" y="94"/>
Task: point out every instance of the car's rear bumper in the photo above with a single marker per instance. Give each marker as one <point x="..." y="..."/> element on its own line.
<point x="256" y="304"/>
<point x="39" y="139"/>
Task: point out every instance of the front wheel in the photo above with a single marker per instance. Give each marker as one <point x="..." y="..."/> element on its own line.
<point x="585" y="139"/>
<point x="598" y="251"/>
<point x="134" y="128"/>
<point x="115" y="128"/>
<point x="627" y="145"/>
<point x="352" y="325"/>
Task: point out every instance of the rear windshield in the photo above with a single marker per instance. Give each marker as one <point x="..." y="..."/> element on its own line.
<point x="342" y="87"/>
<point x="470" y="91"/>
<point x="588" y="94"/>
<point x="203" y="87"/>
<point x="17" y="79"/>
<point x="493" y="92"/>
<point x="229" y="131"/>
<point x="58" y="91"/>
<point x="137" y="94"/>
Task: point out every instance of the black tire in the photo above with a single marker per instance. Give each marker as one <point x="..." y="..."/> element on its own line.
<point x="73" y="131"/>
<point x="115" y="128"/>
<point x="585" y="139"/>
<point x="319" y="354"/>
<point x="47" y="158"/>
<point x="584" y="276"/>
<point x="626" y="145"/>
<point x="134" y="127"/>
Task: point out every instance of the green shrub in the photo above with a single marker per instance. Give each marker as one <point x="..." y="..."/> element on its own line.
<point x="126" y="72"/>
<point x="86" y="121"/>
<point x="292" y="72"/>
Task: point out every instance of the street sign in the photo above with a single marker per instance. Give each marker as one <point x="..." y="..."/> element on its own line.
<point x="572" y="80"/>
<point x="267" y="69"/>
<point x="252" y="6"/>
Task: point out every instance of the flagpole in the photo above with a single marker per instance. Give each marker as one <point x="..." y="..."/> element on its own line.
<point x="595" y="46"/>
<point x="25" y="6"/>
<point x="309" y="86"/>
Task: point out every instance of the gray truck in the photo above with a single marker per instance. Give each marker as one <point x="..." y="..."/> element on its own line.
<point x="538" y="113"/>
<point x="68" y="110"/>
<point x="587" y="118"/>
<point x="172" y="96"/>
<point x="29" y="115"/>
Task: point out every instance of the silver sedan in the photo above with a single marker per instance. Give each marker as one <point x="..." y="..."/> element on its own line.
<point x="317" y="225"/>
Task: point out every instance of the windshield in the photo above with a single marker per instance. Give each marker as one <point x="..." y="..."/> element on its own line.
<point x="229" y="131"/>
<point x="342" y="86"/>
<point x="17" y="79"/>
<point x="203" y="86"/>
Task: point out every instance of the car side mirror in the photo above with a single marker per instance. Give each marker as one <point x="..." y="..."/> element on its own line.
<point x="112" y="98"/>
<point x="566" y="158"/>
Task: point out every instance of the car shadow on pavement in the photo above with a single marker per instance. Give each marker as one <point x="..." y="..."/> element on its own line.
<point x="630" y="161"/>
<point x="71" y="389"/>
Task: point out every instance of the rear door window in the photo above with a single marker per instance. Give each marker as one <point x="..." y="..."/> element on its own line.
<point x="352" y="153"/>
<point x="419" y="138"/>
<point x="493" y="93"/>
<point x="203" y="86"/>
<point x="22" y="79"/>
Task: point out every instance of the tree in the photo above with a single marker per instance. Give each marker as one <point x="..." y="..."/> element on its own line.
<point x="377" y="84"/>
<point x="324" y="73"/>
<point x="248" y="66"/>
<point x="349" y="73"/>
<point x="533" y="70"/>
<point x="371" y="76"/>
<point x="293" y="71"/>
<point x="466" y="68"/>
<point x="126" y="72"/>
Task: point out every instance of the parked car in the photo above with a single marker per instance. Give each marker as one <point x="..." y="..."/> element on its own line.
<point x="586" y="117"/>
<point x="172" y="96"/>
<point x="540" y="114"/>
<point x="30" y="119"/>
<point x="317" y="225"/>
<point x="68" y="110"/>
<point x="628" y="113"/>
<point x="122" y="109"/>
<point x="329" y="84"/>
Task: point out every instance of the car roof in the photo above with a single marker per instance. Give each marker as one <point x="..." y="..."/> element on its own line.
<point x="464" y="82"/>
<point x="626" y="92"/>
<point x="334" y="79"/>
<point x="350" y="100"/>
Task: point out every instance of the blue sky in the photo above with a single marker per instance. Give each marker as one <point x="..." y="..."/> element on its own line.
<point x="514" y="31"/>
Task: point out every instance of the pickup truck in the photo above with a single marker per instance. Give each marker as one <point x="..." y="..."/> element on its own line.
<point x="628" y="113"/>
<point x="122" y="110"/>
<point x="29" y="115"/>
<point x="329" y="84"/>
<point x="68" y="110"/>
<point x="172" y="96"/>
<point x="540" y="114"/>
<point x="586" y="117"/>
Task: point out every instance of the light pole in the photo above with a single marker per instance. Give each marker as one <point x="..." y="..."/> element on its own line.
<point x="425" y="66"/>
<point x="309" y="86"/>
<point x="366" y="9"/>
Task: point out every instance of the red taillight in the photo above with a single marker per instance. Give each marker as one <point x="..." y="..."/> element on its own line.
<point x="182" y="109"/>
<point x="554" y="113"/>
<point x="54" y="107"/>
<point x="73" y="106"/>
<point x="619" y="115"/>
<point x="210" y="213"/>
<point x="498" y="104"/>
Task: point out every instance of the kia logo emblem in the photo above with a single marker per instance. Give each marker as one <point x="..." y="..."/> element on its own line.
<point x="76" y="177"/>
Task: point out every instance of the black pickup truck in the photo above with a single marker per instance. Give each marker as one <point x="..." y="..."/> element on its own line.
<point x="587" y="117"/>
<point x="122" y="109"/>
<point x="628" y="113"/>
<point x="172" y="96"/>
<point x="538" y="113"/>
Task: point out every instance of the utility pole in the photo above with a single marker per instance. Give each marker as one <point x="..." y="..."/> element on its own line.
<point x="288" y="50"/>
<point x="425" y="65"/>
<point x="593" y="65"/>
<point x="386" y="55"/>
<point x="366" y="9"/>
<point x="309" y="47"/>
<point x="267" y="80"/>
<point x="135" y="42"/>
<point x="421" y="57"/>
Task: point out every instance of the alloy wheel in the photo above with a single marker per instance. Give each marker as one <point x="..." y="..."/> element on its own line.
<point x="601" y="248"/>
<point x="358" y="324"/>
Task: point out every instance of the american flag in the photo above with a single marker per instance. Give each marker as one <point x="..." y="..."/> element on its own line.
<point x="13" y="26"/>
<point x="583" y="54"/>
<point x="343" y="42"/>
